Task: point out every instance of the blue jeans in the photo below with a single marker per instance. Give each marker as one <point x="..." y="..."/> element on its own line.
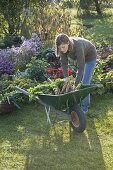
<point x="88" y="71"/>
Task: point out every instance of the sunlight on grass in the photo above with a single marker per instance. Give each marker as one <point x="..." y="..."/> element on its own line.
<point x="98" y="31"/>
<point x="29" y="144"/>
<point x="10" y="160"/>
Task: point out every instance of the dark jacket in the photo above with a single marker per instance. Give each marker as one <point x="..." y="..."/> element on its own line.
<point x="83" y="51"/>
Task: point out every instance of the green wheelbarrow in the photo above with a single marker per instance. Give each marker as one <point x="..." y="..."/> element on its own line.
<point x="67" y="105"/>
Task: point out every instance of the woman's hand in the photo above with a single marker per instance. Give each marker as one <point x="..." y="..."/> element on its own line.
<point x="67" y="80"/>
<point x="74" y="87"/>
<point x="66" y="88"/>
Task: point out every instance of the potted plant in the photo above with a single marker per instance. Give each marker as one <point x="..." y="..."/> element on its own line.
<point x="5" y="92"/>
<point x="5" y="105"/>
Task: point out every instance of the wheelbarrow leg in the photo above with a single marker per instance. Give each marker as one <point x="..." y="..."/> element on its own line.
<point x="48" y="110"/>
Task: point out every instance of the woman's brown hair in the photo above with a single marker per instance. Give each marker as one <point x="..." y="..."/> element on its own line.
<point x="62" y="38"/>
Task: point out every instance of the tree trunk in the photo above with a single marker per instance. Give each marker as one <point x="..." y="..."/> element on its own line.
<point x="11" y="29"/>
<point x="97" y="5"/>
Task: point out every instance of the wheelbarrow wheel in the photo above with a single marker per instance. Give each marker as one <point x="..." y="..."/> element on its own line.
<point x="78" y="119"/>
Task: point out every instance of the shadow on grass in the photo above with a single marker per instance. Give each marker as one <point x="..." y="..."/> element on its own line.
<point x="58" y="148"/>
<point x="99" y="32"/>
<point x="37" y="146"/>
<point x="63" y="150"/>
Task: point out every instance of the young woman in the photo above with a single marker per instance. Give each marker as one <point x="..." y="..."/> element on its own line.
<point x="84" y="52"/>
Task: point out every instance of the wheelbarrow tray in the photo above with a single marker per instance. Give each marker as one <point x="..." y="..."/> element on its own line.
<point x="66" y="105"/>
<point x="62" y="101"/>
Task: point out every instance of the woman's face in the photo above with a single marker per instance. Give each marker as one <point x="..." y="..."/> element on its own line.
<point x="63" y="48"/>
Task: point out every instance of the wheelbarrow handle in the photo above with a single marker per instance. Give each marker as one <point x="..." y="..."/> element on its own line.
<point x="23" y="91"/>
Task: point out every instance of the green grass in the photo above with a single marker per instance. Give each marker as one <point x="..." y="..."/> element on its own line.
<point x="27" y="143"/>
<point x="101" y="32"/>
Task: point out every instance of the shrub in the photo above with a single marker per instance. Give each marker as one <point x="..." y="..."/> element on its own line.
<point x="24" y="83"/>
<point x="67" y="3"/>
<point x="52" y="19"/>
<point x="104" y="74"/>
<point x="36" y="69"/>
<point x="6" y="66"/>
<point x="20" y="56"/>
<point x="10" y="40"/>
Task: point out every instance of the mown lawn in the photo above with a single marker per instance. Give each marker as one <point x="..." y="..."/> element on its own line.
<point x="96" y="28"/>
<point x="27" y="143"/>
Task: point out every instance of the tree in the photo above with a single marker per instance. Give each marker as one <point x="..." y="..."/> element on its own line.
<point x="98" y="4"/>
<point x="13" y="14"/>
<point x="98" y="8"/>
<point x="10" y="11"/>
